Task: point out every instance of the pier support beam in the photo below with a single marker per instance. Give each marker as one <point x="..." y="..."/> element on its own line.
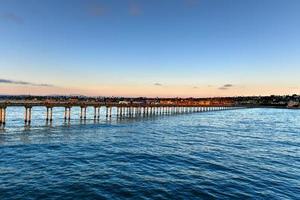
<point x="121" y="112"/>
<point x="81" y="113"/>
<point x="84" y="113"/>
<point x="47" y="114"/>
<point x="27" y="116"/>
<point x="50" y="114"/>
<point x="106" y="112"/>
<point x="95" y="113"/>
<point x="67" y="115"/>
<point x="2" y="117"/>
<point x="98" y="116"/>
<point x="117" y="111"/>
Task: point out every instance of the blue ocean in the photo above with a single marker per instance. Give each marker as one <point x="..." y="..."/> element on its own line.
<point x="233" y="154"/>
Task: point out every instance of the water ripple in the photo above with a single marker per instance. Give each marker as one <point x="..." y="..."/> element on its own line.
<point x="239" y="154"/>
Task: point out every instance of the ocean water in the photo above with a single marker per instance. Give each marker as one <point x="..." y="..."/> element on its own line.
<point x="234" y="154"/>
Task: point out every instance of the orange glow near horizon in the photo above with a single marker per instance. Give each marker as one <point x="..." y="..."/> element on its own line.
<point x="149" y="91"/>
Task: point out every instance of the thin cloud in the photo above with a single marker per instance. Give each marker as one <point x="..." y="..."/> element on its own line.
<point x="226" y="87"/>
<point x="223" y="88"/>
<point x="195" y="87"/>
<point x="7" y="81"/>
<point x="135" y="9"/>
<point x="12" y="18"/>
<point x="157" y="84"/>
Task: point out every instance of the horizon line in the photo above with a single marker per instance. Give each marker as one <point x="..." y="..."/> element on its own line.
<point x="177" y="97"/>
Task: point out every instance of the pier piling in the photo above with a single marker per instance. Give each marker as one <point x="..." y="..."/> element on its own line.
<point x="2" y="117"/>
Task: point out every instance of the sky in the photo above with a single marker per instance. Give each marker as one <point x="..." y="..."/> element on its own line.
<point x="153" y="48"/>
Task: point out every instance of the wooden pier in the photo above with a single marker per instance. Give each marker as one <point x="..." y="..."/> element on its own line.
<point x="123" y="110"/>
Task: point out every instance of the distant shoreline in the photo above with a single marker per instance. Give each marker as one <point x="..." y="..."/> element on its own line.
<point x="273" y="101"/>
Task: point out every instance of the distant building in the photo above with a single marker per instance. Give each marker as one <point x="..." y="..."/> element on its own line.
<point x="138" y="102"/>
<point x="124" y="102"/>
<point x="166" y="102"/>
<point x="293" y="104"/>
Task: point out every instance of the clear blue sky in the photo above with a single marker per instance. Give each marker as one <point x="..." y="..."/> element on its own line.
<point x="150" y="47"/>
